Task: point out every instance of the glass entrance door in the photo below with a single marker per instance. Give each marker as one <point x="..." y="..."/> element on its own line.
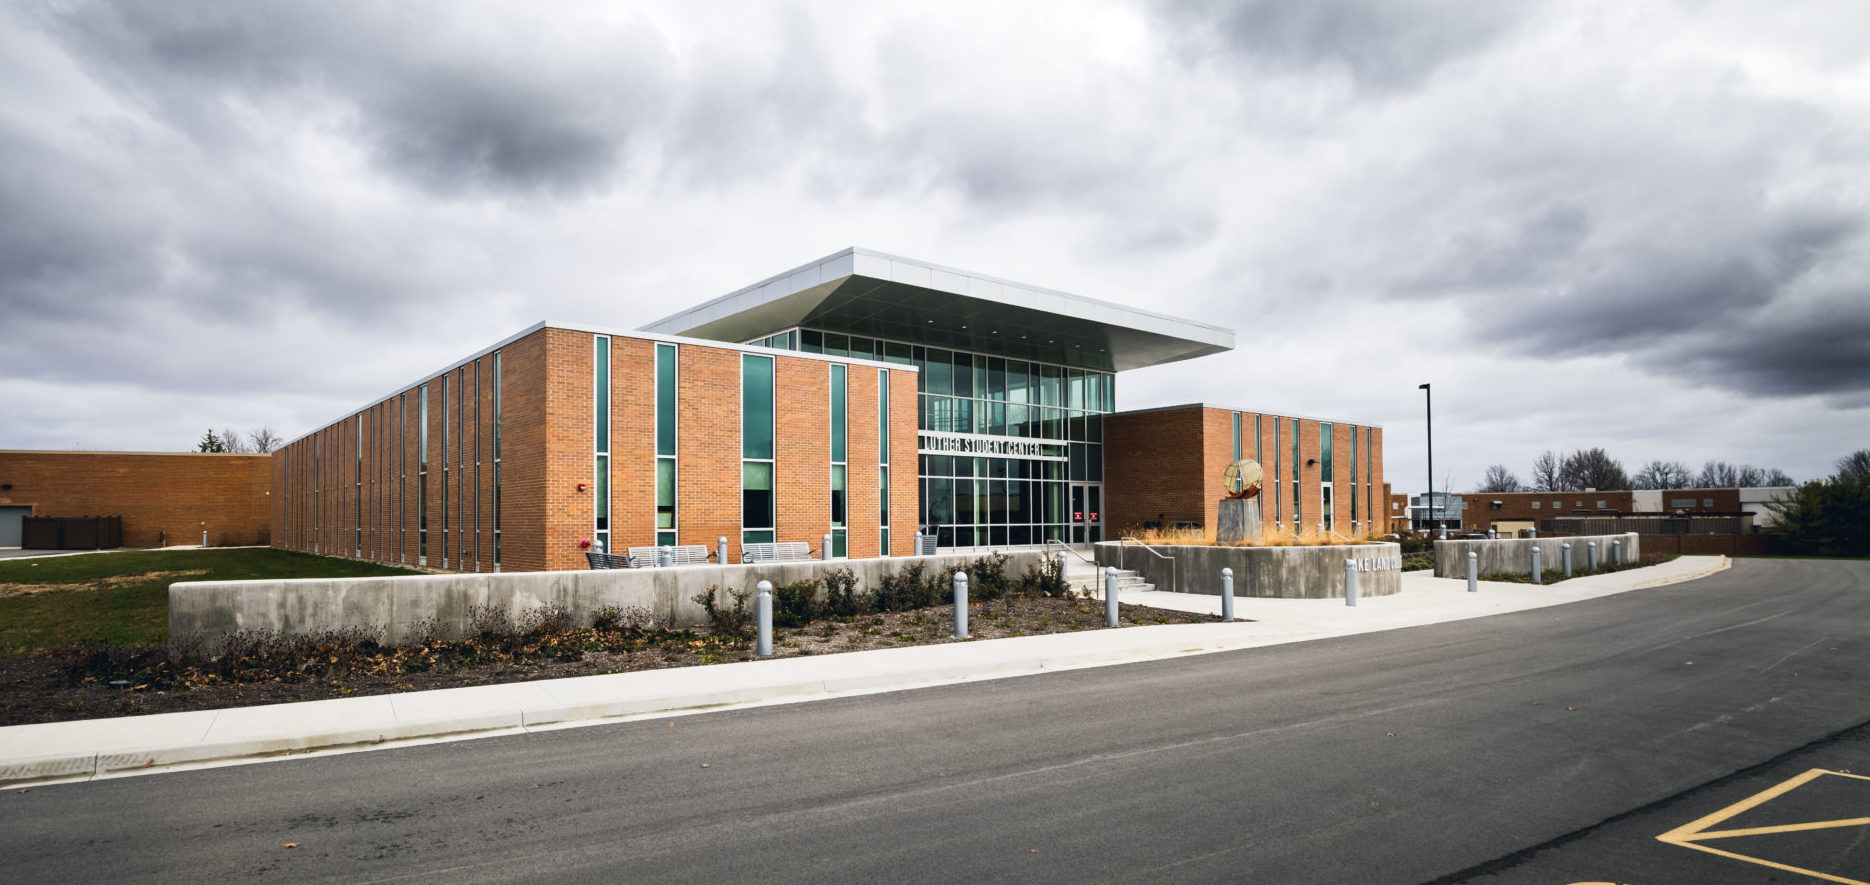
<point x="1087" y="513"/>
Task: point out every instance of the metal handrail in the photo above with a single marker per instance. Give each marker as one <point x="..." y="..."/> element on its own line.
<point x="1173" y="565"/>
<point x="1068" y="549"/>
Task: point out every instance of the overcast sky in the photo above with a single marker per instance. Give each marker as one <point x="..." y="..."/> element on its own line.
<point x="1634" y="225"/>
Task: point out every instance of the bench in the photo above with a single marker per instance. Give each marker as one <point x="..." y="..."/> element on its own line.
<point x="775" y="551"/>
<point x="606" y="560"/>
<point x="686" y="554"/>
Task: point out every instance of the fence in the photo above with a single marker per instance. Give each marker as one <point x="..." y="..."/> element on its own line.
<point x="71" y="532"/>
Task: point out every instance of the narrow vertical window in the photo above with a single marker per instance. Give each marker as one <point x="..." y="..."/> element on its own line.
<point x="496" y="460"/>
<point x="756" y="449"/>
<point x="1298" y="507"/>
<point x="883" y="458"/>
<point x="461" y="469"/>
<point x="1236" y="441"/>
<point x="1278" y="483"/>
<point x="840" y="460"/>
<point x="600" y="470"/>
<point x="667" y="529"/>
<point x="402" y="477"/>
<point x="1354" y="487"/>
<point x="477" y="460"/>
<point x="422" y="477"/>
<point x="357" y="493"/>
<point x="1326" y="512"/>
<point x="447" y="396"/>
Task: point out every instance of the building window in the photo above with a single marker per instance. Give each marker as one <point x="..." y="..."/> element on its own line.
<point x="1535" y="505"/>
<point x="840" y="461"/>
<point x="447" y="390"/>
<point x="477" y="464"/>
<point x="1325" y="485"/>
<point x="883" y="459"/>
<point x="1236" y="441"/>
<point x="1278" y="484"/>
<point x="756" y="449"/>
<point x="422" y="477"/>
<point x="496" y="460"/>
<point x="600" y="434"/>
<point x="1298" y="508"/>
<point x="1354" y="478"/>
<point x="666" y="527"/>
<point x="357" y="492"/>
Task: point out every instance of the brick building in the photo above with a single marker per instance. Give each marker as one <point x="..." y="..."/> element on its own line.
<point x="1163" y="468"/>
<point x="864" y="395"/>
<point x="162" y="497"/>
<point x="1513" y="512"/>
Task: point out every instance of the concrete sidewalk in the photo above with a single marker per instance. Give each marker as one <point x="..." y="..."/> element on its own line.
<point x="91" y="748"/>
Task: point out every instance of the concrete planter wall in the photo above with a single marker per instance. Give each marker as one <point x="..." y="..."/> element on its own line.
<point x="1280" y="572"/>
<point x="1514" y="555"/>
<point x="402" y="607"/>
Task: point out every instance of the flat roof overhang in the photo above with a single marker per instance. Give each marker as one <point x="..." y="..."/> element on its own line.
<point x="861" y="292"/>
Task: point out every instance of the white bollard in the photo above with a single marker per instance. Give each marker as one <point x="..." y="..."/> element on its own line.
<point x="1227" y="596"/>
<point x="1110" y="596"/>
<point x="1061" y="565"/>
<point x="960" y="605"/>
<point x="764" y="607"/>
<point x="1564" y="555"/>
<point x="720" y="551"/>
<point x="1590" y="556"/>
<point x="1473" y="573"/>
<point x="1616" y="553"/>
<point x="1350" y="582"/>
<point x="1538" y="573"/>
<point x="824" y="549"/>
<point x="665" y="556"/>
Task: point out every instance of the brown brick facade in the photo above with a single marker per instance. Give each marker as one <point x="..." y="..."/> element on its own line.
<point x="1165" y="466"/>
<point x="163" y="497"/>
<point x="548" y="449"/>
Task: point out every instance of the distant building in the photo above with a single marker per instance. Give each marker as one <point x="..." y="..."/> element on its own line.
<point x="1651" y="510"/>
<point x="1435" y="510"/>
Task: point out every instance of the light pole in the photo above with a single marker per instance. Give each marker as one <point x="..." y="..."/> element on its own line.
<point x="1428" y="404"/>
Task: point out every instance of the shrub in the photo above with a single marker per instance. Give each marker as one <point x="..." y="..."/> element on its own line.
<point x="795" y="604"/>
<point x="842" y="598"/>
<point x="631" y="620"/>
<point x="735" y="622"/>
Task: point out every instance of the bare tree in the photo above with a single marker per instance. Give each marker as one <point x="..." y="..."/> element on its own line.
<point x="1717" y="475"/>
<point x="1662" y="475"/>
<point x="1500" y="479"/>
<point x="1776" y="478"/>
<point x="263" y="440"/>
<point x="1855" y="467"/>
<point x="1545" y="473"/>
<point x="1592" y="469"/>
<point x="233" y="442"/>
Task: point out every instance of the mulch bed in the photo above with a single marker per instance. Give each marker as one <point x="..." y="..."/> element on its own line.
<point x="43" y="688"/>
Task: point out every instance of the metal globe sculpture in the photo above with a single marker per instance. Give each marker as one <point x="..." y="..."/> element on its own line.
<point x="1243" y="479"/>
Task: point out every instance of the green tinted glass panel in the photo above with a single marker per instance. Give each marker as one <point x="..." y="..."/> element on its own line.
<point x="838" y="416"/>
<point x="665" y="493"/>
<point x="883" y="416"/>
<point x="838" y="477"/>
<point x="1324" y="452"/>
<point x="600" y="393"/>
<point x="665" y="399"/>
<point x="756" y="406"/>
<point x="756" y="494"/>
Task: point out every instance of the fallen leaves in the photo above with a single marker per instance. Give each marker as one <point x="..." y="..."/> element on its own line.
<point x="291" y="845"/>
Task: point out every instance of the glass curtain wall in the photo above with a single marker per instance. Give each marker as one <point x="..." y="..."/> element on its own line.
<point x="1001" y="501"/>
<point x="756" y="449"/>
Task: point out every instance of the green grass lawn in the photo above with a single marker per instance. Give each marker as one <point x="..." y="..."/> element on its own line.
<point x="116" y="608"/>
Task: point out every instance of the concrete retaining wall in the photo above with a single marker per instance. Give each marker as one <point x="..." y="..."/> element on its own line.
<point x="1514" y="555"/>
<point x="1281" y="572"/>
<point x="403" y="607"/>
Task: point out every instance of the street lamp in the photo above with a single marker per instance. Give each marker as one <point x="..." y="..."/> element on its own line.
<point x="1428" y="403"/>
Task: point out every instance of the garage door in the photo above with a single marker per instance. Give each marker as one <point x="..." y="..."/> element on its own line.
<point x="10" y="523"/>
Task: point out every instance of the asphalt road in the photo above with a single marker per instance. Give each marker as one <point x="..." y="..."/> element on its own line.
<point x="1544" y="746"/>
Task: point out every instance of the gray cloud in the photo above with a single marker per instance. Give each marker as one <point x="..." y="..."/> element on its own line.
<point x="1382" y="45"/>
<point x="448" y="106"/>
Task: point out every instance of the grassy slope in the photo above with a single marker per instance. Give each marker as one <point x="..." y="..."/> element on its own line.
<point x="137" y="613"/>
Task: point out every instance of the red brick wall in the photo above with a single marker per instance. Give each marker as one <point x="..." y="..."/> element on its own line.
<point x="1153" y="469"/>
<point x="161" y="496"/>
<point x="1167" y="466"/>
<point x="549" y="450"/>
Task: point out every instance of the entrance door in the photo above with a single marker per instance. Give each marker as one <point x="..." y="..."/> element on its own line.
<point x="12" y="525"/>
<point x="1087" y="513"/>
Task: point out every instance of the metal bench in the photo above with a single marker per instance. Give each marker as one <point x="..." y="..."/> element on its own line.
<point x="606" y="560"/>
<point x="686" y="554"/>
<point x="775" y="551"/>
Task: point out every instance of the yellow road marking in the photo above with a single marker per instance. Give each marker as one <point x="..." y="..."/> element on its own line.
<point x="1691" y="835"/>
